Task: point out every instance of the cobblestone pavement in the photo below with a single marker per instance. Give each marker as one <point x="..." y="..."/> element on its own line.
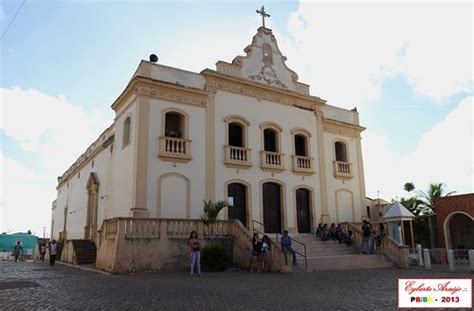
<point x="36" y="286"/>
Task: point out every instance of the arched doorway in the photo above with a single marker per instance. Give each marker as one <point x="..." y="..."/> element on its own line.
<point x="459" y="231"/>
<point x="303" y="215"/>
<point x="272" y="207"/>
<point x="238" y="210"/>
<point x="92" y="187"/>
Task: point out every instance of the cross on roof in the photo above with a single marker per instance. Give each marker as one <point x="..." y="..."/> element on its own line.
<point x="264" y="14"/>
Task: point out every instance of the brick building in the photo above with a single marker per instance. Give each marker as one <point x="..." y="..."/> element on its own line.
<point x="455" y="221"/>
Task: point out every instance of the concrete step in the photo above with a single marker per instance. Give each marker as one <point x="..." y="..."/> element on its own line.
<point x="348" y="262"/>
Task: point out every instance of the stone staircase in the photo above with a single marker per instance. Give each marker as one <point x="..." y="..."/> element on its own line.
<point x="85" y="251"/>
<point x="330" y="255"/>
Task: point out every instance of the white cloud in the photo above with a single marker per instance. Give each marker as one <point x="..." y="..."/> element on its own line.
<point x="51" y="127"/>
<point x="57" y="133"/>
<point x="445" y="154"/>
<point x="346" y="50"/>
<point x="25" y="198"/>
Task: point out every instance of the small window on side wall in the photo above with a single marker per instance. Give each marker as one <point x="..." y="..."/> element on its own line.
<point x="126" y="132"/>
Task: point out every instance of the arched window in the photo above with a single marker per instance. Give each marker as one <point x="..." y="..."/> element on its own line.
<point x="174" y="144"/>
<point x="301" y="145"/>
<point x="272" y="157"/>
<point x="341" y="151"/>
<point x="270" y="140"/>
<point x="174" y="125"/>
<point x="302" y="160"/>
<point x="126" y="132"/>
<point x="237" y="153"/>
<point x="236" y="135"/>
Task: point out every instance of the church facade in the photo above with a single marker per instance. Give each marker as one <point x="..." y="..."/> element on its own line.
<point x="248" y="133"/>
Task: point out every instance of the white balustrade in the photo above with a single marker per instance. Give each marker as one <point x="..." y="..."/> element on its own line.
<point x="273" y="160"/>
<point x="342" y="169"/>
<point x="302" y="164"/>
<point x="237" y="156"/>
<point x="174" y="148"/>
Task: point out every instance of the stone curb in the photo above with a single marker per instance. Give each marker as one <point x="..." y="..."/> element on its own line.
<point x="83" y="268"/>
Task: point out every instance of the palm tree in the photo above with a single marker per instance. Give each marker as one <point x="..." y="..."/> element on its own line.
<point x="211" y="211"/>
<point x="414" y="205"/>
<point x="435" y="190"/>
<point x="409" y="186"/>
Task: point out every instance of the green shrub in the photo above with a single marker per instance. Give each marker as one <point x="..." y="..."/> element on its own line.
<point x="215" y="258"/>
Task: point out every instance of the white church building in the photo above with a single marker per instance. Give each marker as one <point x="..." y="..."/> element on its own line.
<point x="247" y="132"/>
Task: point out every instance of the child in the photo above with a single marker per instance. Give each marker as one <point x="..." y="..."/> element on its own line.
<point x="265" y="251"/>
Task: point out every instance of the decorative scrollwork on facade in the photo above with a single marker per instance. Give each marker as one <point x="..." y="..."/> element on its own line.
<point x="175" y="95"/>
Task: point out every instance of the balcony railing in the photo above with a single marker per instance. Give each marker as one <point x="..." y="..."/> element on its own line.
<point x="237" y="156"/>
<point x="174" y="149"/>
<point x="272" y="161"/>
<point x="342" y="169"/>
<point x="303" y="165"/>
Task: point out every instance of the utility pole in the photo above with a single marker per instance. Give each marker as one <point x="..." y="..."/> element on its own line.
<point x="44" y="232"/>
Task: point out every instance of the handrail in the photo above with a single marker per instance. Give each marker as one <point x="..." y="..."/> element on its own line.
<point x="278" y="243"/>
<point x="299" y="253"/>
<point x="261" y="224"/>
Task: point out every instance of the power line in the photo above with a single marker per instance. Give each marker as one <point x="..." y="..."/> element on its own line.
<point x="13" y="19"/>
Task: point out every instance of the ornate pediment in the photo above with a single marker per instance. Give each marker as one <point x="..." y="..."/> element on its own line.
<point x="264" y="63"/>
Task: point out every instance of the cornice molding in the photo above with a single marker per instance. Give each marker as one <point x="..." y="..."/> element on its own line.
<point x="260" y="91"/>
<point x="163" y="90"/>
<point x="341" y="128"/>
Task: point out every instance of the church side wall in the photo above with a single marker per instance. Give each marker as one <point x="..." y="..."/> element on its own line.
<point x="344" y="196"/>
<point x="256" y="112"/>
<point x="121" y="174"/>
<point x="73" y="195"/>
<point x="57" y="215"/>
<point x="176" y="189"/>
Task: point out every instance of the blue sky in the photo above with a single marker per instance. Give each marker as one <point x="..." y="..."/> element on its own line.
<point x="411" y="80"/>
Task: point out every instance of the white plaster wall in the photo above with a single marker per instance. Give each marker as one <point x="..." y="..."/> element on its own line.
<point x="121" y="174"/>
<point x="173" y="198"/>
<point x="57" y="213"/>
<point x="339" y="114"/>
<point x="176" y="76"/>
<point x="334" y="184"/>
<point x="257" y="112"/>
<point x="74" y="196"/>
<point x="344" y="206"/>
<point x="193" y="170"/>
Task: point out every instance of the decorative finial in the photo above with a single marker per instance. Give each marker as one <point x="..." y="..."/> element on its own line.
<point x="264" y="14"/>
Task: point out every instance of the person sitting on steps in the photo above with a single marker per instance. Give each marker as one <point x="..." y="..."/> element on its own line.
<point x="349" y="238"/>
<point x="285" y="243"/>
<point x="325" y="233"/>
<point x="339" y="233"/>
<point x="332" y="232"/>
<point x="319" y="231"/>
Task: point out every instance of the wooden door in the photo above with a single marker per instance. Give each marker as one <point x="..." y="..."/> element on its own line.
<point x="272" y="207"/>
<point x="239" y="209"/>
<point x="302" y="211"/>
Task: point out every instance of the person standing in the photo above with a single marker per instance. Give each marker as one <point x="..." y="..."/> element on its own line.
<point x="285" y="243"/>
<point x="195" y="248"/>
<point x="367" y="232"/>
<point x="42" y="251"/>
<point x="16" y="251"/>
<point x="265" y="252"/>
<point x="53" y="248"/>
<point x="256" y="252"/>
